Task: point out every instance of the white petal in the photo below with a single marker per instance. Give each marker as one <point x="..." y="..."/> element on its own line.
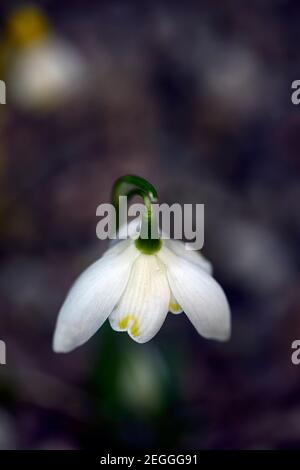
<point x="196" y="257"/>
<point x="144" y="304"/>
<point x="92" y="298"/>
<point x="116" y="248"/>
<point x="201" y="297"/>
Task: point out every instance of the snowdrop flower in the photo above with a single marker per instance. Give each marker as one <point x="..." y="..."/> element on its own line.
<point x="44" y="70"/>
<point x="136" y="283"/>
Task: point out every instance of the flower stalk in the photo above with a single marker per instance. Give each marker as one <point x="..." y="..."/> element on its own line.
<point x="130" y="185"/>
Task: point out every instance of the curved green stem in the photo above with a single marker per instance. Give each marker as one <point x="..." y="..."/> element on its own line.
<point x="131" y="185"/>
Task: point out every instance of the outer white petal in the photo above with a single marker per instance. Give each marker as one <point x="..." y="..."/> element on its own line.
<point x="201" y="297"/>
<point x="178" y="247"/>
<point x="144" y="304"/>
<point x="116" y="248"/>
<point x="92" y="298"/>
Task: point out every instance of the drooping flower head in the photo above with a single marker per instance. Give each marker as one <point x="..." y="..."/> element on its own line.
<point x="137" y="282"/>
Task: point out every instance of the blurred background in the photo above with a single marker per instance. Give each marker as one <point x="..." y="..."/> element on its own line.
<point x="195" y="97"/>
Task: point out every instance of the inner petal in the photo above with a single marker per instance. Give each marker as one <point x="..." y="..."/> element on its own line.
<point x="144" y="304"/>
<point x="174" y="306"/>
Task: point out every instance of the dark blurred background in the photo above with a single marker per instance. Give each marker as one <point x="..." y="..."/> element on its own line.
<point x="195" y="97"/>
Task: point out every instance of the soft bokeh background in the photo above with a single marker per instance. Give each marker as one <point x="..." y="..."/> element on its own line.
<point x="196" y="98"/>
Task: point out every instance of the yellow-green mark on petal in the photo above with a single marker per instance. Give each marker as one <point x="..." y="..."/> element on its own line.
<point x="134" y="327"/>
<point x="174" y="307"/>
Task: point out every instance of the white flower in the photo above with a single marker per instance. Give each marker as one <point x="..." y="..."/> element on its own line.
<point x="45" y="74"/>
<point x="136" y="291"/>
<point x="43" y="70"/>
